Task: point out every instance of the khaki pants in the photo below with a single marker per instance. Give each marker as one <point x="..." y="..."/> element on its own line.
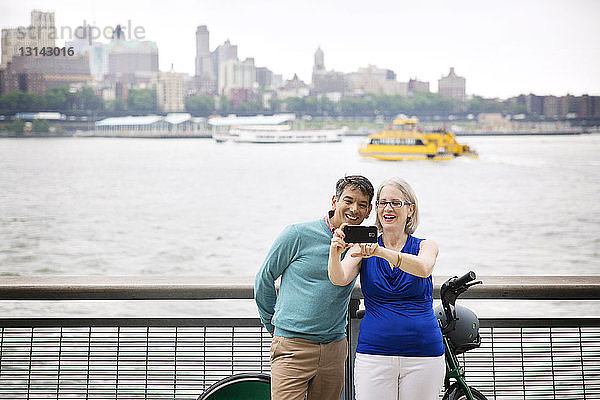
<point x="302" y="367"/>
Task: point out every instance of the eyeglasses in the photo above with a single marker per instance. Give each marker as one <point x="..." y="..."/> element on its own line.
<point x="393" y="203"/>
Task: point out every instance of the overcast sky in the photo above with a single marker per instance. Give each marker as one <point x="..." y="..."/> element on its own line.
<point x="503" y="48"/>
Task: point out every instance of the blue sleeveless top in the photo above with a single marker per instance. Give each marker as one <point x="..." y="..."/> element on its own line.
<point x="399" y="318"/>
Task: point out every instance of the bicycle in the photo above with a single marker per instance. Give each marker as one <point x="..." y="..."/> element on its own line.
<point x="460" y="331"/>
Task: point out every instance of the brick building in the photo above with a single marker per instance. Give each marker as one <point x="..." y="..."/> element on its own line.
<point x="38" y="74"/>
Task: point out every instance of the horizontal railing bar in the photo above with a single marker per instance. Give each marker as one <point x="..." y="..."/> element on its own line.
<point x="538" y="322"/>
<point x="131" y="322"/>
<point x="495" y="323"/>
<point x="207" y="288"/>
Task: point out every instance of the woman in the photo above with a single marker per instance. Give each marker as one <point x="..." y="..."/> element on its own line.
<point x="400" y="352"/>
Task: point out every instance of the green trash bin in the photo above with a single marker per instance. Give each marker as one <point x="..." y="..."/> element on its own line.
<point x="247" y="386"/>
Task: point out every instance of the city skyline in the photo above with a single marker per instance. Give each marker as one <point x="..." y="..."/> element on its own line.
<point x="517" y="49"/>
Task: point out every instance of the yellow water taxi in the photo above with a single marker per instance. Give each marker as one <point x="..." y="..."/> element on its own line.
<point x="405" y="141"/>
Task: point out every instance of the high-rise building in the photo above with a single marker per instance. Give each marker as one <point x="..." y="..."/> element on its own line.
<point x="97" y="53"/>
<point x="235" y="74"/>
<point x="82" y="42"/>
<point x="131" y="61"/>
<point x="12" y="39"/>
<point x="169" y="91"/>
<point x="319" y="60"/>
<point x="98" y="56"/>
<point x="595" y="106"/>
<point x="551" y="106"/>
<point x="264" y="77"/>
<point x="452" y="86"/>
<point x="324" y="81"/>
<point x="205" y="78"/>
<point x="535" y="105"/>
<point x="204" y="68"/>
<point x="585" y="106"/>
<point x="222" y="53"/>
<point x="41" y="33"/>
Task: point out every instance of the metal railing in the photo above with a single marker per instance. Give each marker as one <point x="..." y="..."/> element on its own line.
<point x="178" y="358"/>
<point x="550" y="359"/>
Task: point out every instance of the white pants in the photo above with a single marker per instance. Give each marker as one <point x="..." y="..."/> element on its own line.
<point x="398" y="378"/>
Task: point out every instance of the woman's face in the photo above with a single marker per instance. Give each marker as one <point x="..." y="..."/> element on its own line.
<point x="390" y="213"/>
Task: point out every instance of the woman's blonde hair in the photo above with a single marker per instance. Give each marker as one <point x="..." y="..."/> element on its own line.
<point x="409" y="195"/>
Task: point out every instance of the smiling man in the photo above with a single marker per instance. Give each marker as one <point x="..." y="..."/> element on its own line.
<point x="308" y="316"/>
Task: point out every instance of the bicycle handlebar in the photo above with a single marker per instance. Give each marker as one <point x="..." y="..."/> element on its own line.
<point x="450" y="291"/>
<point x="466" y="278"/>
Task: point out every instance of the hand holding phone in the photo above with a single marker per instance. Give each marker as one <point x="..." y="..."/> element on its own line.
<point x="360" y="234"/>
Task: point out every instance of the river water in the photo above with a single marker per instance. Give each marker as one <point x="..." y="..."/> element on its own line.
<point x="96" y="206"/>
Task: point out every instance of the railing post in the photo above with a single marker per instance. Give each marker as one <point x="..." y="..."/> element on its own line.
<point x="348" y="393"/>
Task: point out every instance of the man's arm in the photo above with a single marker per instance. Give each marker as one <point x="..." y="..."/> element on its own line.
<point x="281" y="254"/>
<point x="342" y="273"/>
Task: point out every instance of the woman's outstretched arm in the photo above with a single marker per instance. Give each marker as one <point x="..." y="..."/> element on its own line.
<point x="420" y="265"/>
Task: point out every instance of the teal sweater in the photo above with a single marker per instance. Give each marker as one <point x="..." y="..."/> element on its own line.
<point x="308" y="305"/>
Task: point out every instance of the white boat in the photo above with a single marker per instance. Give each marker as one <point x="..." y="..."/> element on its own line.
<point x="278" y="134"/>
<point x="269" y="129"/>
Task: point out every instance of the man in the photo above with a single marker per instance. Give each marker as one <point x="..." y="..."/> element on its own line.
<point x="308" y="317"/>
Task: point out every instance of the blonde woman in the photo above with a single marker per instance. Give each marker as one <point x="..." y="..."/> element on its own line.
<point x="400" y="352"/>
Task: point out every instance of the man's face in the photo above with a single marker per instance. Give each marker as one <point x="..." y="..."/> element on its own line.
<point x="352" y="207"/>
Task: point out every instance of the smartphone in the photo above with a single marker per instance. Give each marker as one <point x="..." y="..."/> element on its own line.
<point x="360" y="234"/>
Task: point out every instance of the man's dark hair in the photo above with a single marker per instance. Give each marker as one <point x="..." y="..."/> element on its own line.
<point x="356" y="181"/>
